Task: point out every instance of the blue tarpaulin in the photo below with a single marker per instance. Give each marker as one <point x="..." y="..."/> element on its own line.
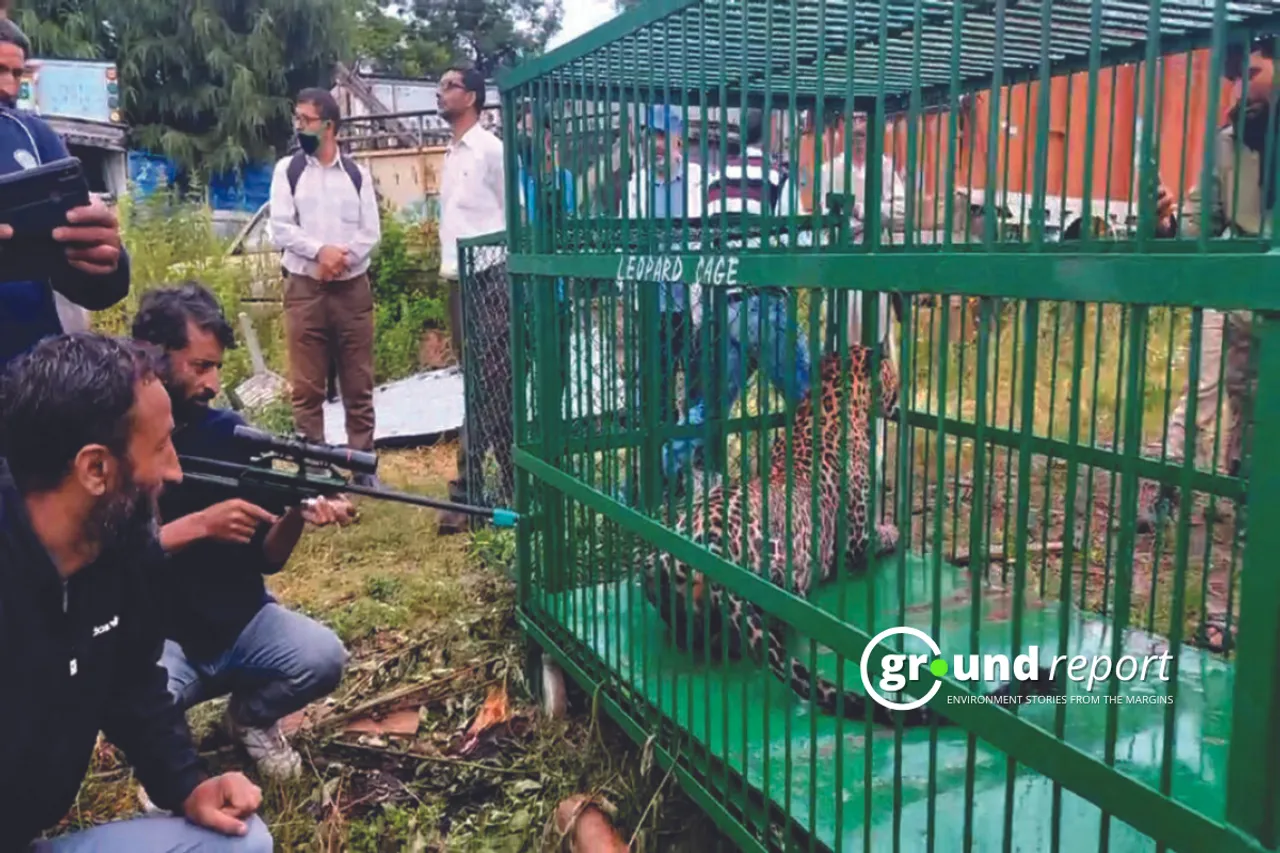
<point x="246" y="191"/>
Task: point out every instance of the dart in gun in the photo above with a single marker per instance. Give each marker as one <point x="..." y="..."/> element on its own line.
<point x="293" y="487"/>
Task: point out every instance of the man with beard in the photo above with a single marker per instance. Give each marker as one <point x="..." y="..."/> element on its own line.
<point x="1239" y="200"/>
<point x="225" y="633"/>
<point x="92" y="271"/>
<point x="85" y="429"/>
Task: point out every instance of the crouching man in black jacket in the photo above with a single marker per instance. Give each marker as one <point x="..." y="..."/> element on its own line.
<point x="85" y="429"/>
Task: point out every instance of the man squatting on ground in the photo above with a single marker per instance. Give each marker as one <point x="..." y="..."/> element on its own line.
<point x="85" y="430"/>
<point x="224" y="632"/>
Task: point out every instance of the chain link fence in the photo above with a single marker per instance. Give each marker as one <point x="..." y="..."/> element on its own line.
<point x="487" y="440"/>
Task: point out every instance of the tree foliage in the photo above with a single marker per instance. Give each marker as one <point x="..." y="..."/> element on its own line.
<point x="421" y="38"/>
<point x="392" y="42"/>
<point x="490" y="33"/>
<point x="209" y="83"/>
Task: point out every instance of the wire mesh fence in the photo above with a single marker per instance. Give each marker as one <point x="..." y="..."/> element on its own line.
<point x="487" y="441"/>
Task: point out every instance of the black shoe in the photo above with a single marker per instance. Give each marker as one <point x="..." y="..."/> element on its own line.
<point x="453" y="523"/>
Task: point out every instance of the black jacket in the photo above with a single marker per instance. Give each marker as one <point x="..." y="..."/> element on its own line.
<point x="75" y="659"/>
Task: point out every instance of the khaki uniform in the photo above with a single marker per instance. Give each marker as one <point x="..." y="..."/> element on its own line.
<point x="1236" y="207"/>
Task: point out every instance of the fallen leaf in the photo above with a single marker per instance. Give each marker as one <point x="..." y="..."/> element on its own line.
<point x="292" y="723"/>
<point x="524" y="786"/>
<point x="402" y="723"/>
<point x="495" y="711"/>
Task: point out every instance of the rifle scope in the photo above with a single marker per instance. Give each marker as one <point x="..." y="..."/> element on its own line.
<point x="356" y="461"/>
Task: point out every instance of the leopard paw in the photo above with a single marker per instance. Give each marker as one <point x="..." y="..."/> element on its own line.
<point x="887" y="539"/>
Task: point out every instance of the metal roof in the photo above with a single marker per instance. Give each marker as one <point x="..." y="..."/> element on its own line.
<point x="834" y="48"/>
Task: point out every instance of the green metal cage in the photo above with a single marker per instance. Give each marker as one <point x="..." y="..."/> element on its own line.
<point x="1049" y="223"/>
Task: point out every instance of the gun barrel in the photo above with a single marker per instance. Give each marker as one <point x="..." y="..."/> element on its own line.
<point x="227" y="474"/>
<point x="357" y="461"/>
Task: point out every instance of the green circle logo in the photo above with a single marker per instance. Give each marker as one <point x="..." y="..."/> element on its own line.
<point x="939" y="667"/>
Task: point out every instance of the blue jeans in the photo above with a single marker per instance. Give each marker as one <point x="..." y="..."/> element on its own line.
<point x="768" y="327"/>
<point x="158" y="835"/>
<point x="281" y="662"/>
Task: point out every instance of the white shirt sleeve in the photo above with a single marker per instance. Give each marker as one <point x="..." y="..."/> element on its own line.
<point x="369" y="233"/>
<point x="285" y="233"/>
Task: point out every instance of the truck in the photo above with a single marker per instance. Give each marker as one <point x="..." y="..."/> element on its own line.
<point x="80" y="99"/>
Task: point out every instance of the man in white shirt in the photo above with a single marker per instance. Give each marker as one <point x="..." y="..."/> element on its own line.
<point x="666" y="191"/>
<point x="473" y="203"/>
<point x="324" y="218"/>
<point x="893" y="210"/>
<point x="893" y="223"/>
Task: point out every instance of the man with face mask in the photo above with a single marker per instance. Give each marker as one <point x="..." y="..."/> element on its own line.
<point x="85" y="428"/>
<point x="225" y="633"/>
<point x="324" y="218"/>
<point x="92" y="271"/>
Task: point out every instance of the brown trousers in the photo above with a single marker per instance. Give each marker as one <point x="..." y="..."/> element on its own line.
<point x="327" y="321"/>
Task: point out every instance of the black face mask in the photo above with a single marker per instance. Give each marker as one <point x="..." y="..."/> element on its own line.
<point x="309" y="142"/>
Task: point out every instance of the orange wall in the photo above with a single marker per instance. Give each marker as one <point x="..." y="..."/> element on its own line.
<point x="1115" y="138"/>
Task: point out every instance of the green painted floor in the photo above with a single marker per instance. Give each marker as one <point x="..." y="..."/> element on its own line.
<point x="730" y="708"/>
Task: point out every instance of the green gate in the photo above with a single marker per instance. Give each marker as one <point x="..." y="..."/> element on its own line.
<point x="665" y="333"/>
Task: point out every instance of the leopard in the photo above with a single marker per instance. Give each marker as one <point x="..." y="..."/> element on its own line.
<point x="686" y="599"/>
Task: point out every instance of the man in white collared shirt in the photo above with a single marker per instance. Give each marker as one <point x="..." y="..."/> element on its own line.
<point x="472" y="204"/>
<point x="324" y="218"/>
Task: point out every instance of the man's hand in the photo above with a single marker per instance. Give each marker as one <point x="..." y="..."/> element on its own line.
<point x="332" y="261"/>
<point x="1164" y="210"/>
<point x="235" y="521"/>
<point x="6" y="232"/>
<point x="322" y="512"/>
<point x="92" y="238"/>
<point x="222" y="802"/>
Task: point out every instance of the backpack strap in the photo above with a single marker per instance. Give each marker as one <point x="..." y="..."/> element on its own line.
<point x="294" y="172"/>
<point x="353" y="172"/>
<point x="299" y="162"/>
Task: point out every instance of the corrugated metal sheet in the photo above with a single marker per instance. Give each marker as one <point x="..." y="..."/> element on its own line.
<point x="413" y="411"/>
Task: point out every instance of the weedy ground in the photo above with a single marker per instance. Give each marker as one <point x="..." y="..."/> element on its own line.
<point x="434" y="616"/>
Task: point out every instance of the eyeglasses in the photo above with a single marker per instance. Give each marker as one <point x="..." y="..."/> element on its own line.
<point x="450" y="85"/>
<point x="16" y="73"/>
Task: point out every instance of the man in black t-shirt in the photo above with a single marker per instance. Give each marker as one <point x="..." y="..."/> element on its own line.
<point x="225" y="633"/>
<point x="86" y="429"/>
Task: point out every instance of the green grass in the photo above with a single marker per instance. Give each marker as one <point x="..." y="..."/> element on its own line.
<point x="417" y="609"/>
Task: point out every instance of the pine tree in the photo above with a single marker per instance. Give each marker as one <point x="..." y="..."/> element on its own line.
<point x="208" y="83"/>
